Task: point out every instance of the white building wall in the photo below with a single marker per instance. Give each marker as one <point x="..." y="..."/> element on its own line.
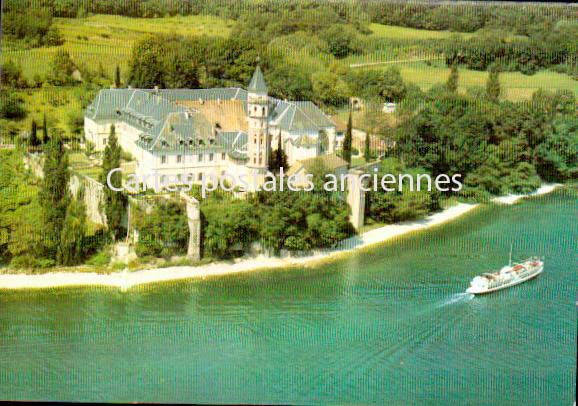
<point x="192" y="168"/>
<point x="97" y="132"/>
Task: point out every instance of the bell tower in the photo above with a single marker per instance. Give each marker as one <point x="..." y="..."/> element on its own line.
<point x="258" y="142"/>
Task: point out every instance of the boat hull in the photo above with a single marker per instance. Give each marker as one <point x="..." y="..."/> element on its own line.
<point x="505" y="286"/>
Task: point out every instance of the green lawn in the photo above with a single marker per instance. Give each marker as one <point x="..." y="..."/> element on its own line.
<point x="403" y="33"/>
<point x="81" y="164"/>
<point x="515" y="85"/>
<point x="108" y="39"/>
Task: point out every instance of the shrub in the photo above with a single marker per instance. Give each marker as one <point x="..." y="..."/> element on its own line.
<point x="296" y="243"/>
<point x="118" y="266"/>
<point x="29" y="261"/>
<point x="100" y="259"/>
<point x="11" y="106"/>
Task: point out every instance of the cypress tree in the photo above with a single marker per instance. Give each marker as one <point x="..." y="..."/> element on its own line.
<point x="71" y="249"/>
<point x="278" y="158"/>
<point x="452" y="83"/>
<point x="281" y="157"/>
<point x="114" y="202"/>
<point x="53" y="195"/>
<point x="279" y="153"/>
<point x="493" y="85"/>
<point x="117" y="82"/>
<point x="44" y="130"/>
<point x="348" y="140"/>
<point x="367" y="149"/>
<point x="34" y="141"/>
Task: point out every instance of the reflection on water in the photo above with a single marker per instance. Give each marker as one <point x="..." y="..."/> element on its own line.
<point x="389" y="324"/>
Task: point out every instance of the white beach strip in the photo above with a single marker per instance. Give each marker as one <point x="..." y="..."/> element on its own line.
<point x="125" y="280"/>
<point x="542" y="190"/>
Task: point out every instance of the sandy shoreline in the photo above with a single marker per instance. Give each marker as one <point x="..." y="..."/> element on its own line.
<point x="126" y="280"/>
<point x="542" y="190"/>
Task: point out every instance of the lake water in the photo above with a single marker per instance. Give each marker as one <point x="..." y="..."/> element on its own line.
<point x="386" y="325"/>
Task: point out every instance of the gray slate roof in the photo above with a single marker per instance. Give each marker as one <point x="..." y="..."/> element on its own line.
<point x="168" y="126"/>
<point x="257" y="83"/>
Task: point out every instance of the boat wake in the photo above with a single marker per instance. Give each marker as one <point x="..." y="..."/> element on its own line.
<point x="456" y="298"/>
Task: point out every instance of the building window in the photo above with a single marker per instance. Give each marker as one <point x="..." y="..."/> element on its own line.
<point x="200" y="177"/>
<point x="163" y="159"/>
<point x="163" y="179"/>
<point x="179" y="159"/>
<point x="223" y="156"/>
<point x="210" y="157"/>
<point x="200" y="157"/>
<point x="104" y="141"/>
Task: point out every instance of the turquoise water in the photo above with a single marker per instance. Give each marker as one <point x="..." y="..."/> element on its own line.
<point x="387" y="325"/>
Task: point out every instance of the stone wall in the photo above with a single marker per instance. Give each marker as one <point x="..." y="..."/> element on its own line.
<point x="93" y="196"/>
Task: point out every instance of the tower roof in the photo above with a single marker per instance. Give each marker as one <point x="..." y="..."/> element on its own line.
<point x="257" y="84"/>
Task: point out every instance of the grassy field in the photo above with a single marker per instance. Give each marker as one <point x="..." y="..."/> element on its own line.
<point x="403" y="33"/>
<point x="515" y="85"/>
<point x="107" y="39"/>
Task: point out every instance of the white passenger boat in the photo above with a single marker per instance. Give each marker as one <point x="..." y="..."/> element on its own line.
<point x="510" y="275"/>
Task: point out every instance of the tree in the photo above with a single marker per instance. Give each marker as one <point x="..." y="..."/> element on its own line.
<point x="227" y="225"/>
<point x="33" y="140"/>
<point x="53" y="195"/>
<point x="164" y="232"/>
<point x="342" y="40"/>
<point x="367" y="148"/>
<point x="117" y="82"/>
<point x="384" y="85"/>
<point x="147" y="64"/>
<point x="278" y="158"/>
<point x="557" y="156"/>
<point x="44" y="129"/>
<point x="71" y="250"/>
<point x="329" y="89"/>
<point x="11" y="76"/>
<point x="393" y="206"/>
<point x="181" y="72"/>
<point x="61" y="69"/>
<point x="348" y="140"/>
<point x="453" y="80"/>
<point x="11" y="106"/>
<point x="114" y="202"/>
<point x="18" y="211"/>
<point x="493" y="84"/>
<point x="53" y="37"/>
<point x="287" y="81"/>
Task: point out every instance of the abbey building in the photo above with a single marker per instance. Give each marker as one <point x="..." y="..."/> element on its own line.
<point x="207" y="131"/>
